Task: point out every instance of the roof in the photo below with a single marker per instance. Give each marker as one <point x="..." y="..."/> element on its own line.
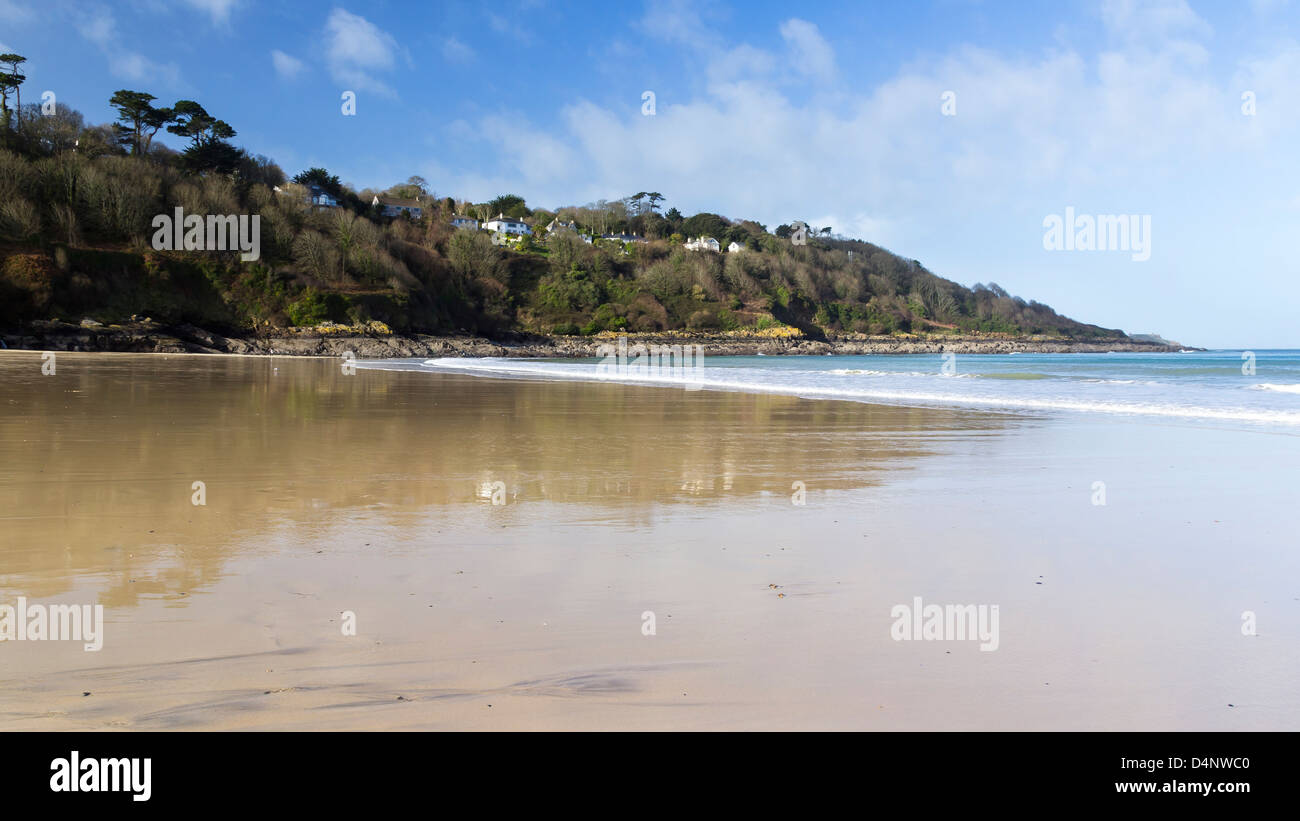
<point x="504" y="218"/>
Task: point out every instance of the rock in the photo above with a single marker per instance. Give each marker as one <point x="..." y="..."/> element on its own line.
<point x="376" y="340"/>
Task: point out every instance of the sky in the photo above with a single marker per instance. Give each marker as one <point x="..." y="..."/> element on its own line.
<point x="948" y="131"/>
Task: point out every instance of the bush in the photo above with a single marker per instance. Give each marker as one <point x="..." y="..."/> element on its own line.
<point x="703" y="321"/>
<point x="314" y="307"/>
<point x="20" y="221"/>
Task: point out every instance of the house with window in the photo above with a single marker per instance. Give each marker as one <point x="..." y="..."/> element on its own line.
<point x="396" y="206"/>
<point x="320" y="198"/>
<point x="704" y="244"/>
<point x="799" y="232"/>
<point x="734" y="247"/>
<point x="459" y="221"/>
<point x="508" y="225"/>
<point x="623" y="237"/>
<point x="555" y="226"/>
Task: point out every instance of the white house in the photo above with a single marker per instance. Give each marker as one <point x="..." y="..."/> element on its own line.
<point x="623" y="237"/>
<point x="395" y="206"/>
<point x="508" y="225"/>
<point x="556" y="226"/>
<point x="734" y="247"/>
<point x="799" y="232"/>
<point x="704" y="244"/>
<point x="458" y="221"/>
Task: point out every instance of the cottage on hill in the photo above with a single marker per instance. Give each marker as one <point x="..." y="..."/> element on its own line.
<point x="508" y="225"/>
<point x="396" y="206"/>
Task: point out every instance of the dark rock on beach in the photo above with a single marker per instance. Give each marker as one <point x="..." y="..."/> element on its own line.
<point x="368" y="342"/>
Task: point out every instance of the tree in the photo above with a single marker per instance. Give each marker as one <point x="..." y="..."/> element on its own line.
<point x="260" y="169"/>
<point x="189" y="119"/>
<point x="674" y="218"/>
<point x="322" y="179"/>
<point x="705" y="224"/>
<point x="472" y="255"/>
<point x="345" y="234"/>
<point x="139" y="119"/>
<point x="216" y="155"/>
<point x="511" y="205"/>
<point x="414" y="188"/>
<point x="50" y="133"/>
<point x="11" y="79"/>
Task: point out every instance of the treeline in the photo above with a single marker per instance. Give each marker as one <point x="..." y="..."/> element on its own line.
<point x="77" y="201"/>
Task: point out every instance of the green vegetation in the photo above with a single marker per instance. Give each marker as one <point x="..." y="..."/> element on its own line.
<point x="77" y="201"/>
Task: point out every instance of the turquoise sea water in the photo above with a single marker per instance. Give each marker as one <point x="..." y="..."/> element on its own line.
<point x="1260" y="387"/>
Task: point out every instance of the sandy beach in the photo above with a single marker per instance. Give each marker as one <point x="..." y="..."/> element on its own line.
<point x="501" y="541"/>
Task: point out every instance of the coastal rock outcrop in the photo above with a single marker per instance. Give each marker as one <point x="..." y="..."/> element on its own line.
<point x="146" y="336"/>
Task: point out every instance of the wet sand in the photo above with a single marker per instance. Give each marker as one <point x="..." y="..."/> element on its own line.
<point x="373" y="493"/>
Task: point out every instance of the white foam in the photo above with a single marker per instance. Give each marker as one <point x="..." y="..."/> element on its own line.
<point x="714" y="379"/>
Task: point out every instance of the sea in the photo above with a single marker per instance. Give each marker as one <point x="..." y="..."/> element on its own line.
<point x="1250" y="387"/>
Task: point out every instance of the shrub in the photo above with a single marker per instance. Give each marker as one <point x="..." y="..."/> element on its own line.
<point x="703" y="321"/>
<point x="19" y="220"/>
<point x="314" y="307"/>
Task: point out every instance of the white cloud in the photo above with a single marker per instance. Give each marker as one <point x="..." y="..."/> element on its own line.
<point x="13" y="13"/>
<point x="682" y="21"/>
<point x="101" y="29"/>
<point x="813" y="56"/>
<point x="509" y="27"/>
<point x="219" y="10"/>
<point x="285" y="65"/>
<point x="1137" y="19"/>
<point x="454" y="51"/>
<point x="357" y="49"/>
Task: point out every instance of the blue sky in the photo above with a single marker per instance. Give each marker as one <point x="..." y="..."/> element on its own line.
<point x="829" y="112"/>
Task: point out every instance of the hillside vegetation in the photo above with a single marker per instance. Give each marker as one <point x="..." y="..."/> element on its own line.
<point x="76" y="205"/>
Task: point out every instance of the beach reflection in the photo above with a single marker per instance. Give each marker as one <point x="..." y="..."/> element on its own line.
<point x="98" y="462"/>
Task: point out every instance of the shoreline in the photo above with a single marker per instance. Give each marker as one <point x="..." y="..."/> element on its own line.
<point x="334" y="341"/>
